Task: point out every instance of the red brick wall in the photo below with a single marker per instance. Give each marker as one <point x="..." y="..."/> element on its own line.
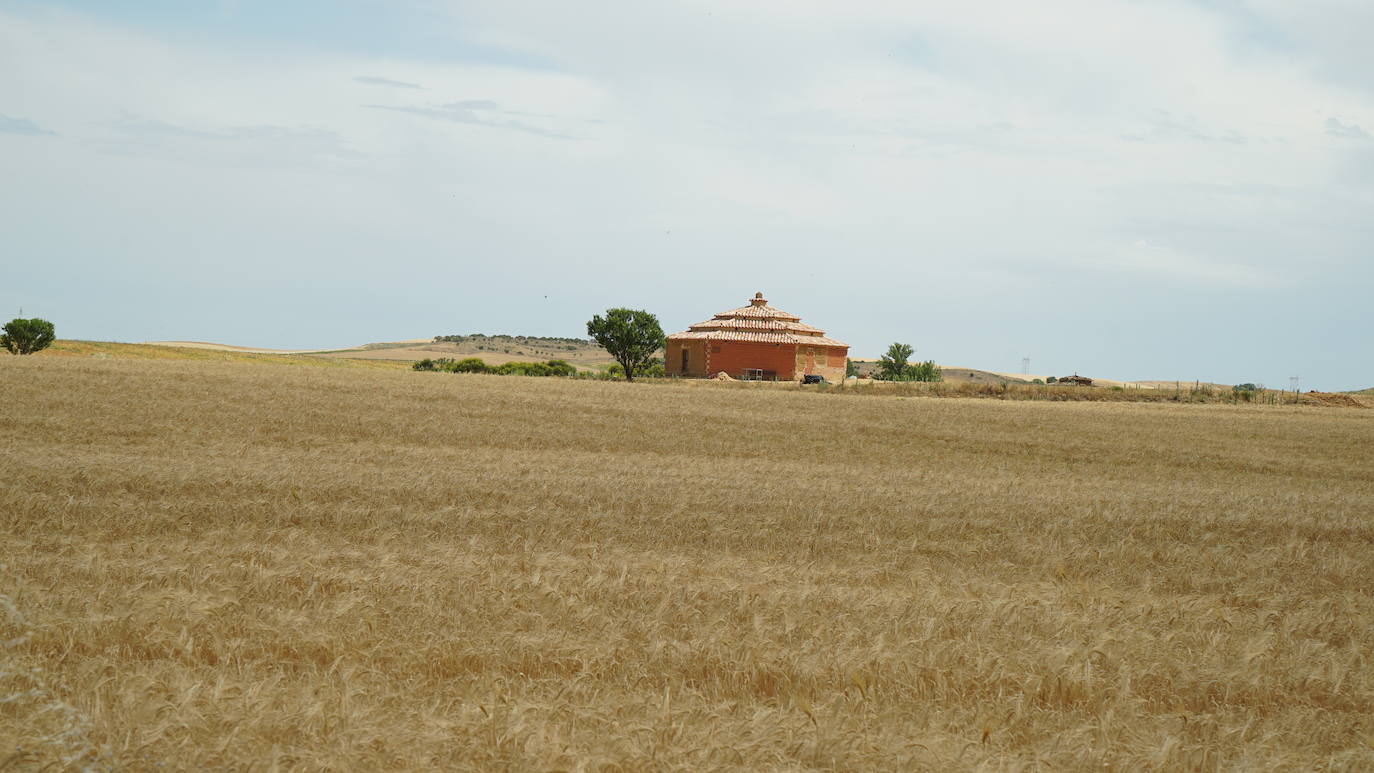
<point x="734" y="356"/>
<point x="787" y="360"/>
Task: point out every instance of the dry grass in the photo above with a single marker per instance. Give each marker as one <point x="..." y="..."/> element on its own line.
<point x="106" y="350"/>
<point x="1055" y="393"/>
<point x="210" y="566"/>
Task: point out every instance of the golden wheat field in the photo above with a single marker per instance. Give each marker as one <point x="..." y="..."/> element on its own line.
<point x="235" y="566"/>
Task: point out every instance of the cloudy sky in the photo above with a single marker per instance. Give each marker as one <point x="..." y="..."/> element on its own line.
<point x="1125" y="189"/>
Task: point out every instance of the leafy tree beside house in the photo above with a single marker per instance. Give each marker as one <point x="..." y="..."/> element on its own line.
<point x="893" y="366"/>
<point x="631" y="336"/>
<point x="26" y="336"/>
<point x="924" y="371"/>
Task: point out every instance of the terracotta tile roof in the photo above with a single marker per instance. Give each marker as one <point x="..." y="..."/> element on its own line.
<point x="762" y="338"/>
<point x="755" y="324"/>
<point x="762" y="311"/>
<point x="758" y="323"/>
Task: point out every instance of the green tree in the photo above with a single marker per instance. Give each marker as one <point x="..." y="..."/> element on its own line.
<point x="631" y="336"/>
<point x="26" y="336"/>
<point x="924" y="371"/>
<point x="892" y="366"/>
<point x="850" y="369"/>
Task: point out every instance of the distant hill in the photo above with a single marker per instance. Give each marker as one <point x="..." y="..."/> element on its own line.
<point x="492" y="349"/>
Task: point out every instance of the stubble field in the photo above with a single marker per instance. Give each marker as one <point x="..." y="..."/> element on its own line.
<point x="248" y="567"/>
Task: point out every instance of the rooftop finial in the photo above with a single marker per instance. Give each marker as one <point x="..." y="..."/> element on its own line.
<point x="758" y="300"/>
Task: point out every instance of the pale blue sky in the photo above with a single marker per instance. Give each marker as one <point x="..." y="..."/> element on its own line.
<point x="1172" y="190"/>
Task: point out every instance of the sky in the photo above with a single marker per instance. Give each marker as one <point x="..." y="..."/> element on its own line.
<point x="1124" y="189"/>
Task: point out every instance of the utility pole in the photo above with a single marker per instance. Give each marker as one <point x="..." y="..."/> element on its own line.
<point x="1293" y="383"/>
<point x="1025" y="366"/>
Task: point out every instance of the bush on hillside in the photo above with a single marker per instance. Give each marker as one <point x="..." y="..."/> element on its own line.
<point x="469" y="365"/>
<point x="442" y="363"/>
<point x="514" y="368"/>
<point x="561" y="368"/>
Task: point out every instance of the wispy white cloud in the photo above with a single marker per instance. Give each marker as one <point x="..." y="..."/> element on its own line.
<point x="477" y="112"/>
<point x="262" y="145"/>
<point x="10" y="125"/>
<point x="1351" y="131"/>
<point x="373" y="80"/>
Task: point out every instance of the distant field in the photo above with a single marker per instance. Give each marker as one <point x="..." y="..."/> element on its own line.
<point x="163" y="351"/>
<point x="493" y="350"/>
<point x="209" y="566"/>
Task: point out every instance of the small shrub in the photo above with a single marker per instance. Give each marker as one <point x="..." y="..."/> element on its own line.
<point x="561" y="368"/>
<point x="523" y="369"/>
<point x="469" y="365"/>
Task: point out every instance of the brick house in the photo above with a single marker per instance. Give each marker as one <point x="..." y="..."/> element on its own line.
<point x="755" y="342"/>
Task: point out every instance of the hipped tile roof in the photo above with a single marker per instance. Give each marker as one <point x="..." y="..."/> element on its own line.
<point x="757" y="323"/>
<point x="762" y="338"/>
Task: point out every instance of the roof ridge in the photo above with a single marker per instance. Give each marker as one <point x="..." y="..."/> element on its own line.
<point x="758" y="322"/>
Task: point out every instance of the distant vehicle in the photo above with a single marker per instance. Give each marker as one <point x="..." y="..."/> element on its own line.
<point x="813" y="378"/>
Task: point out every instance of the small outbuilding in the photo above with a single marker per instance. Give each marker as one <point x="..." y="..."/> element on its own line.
<point x="755" y="342"/>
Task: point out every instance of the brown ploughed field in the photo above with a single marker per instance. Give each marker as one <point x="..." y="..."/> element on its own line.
<point x="239" y="566"/>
